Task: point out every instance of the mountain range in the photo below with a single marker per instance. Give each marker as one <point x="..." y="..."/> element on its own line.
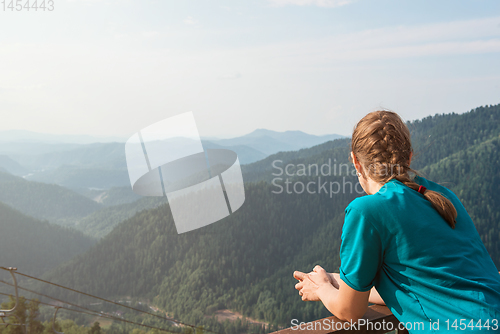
<point x="65" y="161"/>
<point x="245" y="262"/>
<point x="36" y="246"/>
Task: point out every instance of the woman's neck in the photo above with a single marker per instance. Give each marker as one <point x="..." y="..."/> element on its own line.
<point x="372" y="187"/>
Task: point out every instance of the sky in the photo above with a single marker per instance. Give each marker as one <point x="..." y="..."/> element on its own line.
<point x="113" y="67"/>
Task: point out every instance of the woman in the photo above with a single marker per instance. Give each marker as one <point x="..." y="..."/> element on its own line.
<point x="410" y="244"/>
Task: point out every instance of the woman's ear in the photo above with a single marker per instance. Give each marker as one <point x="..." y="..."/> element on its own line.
<point x="354" y="160"/>
<point x="356" y="163"/>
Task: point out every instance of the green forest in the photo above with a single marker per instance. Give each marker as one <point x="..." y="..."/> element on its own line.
<point x="35" y="245"/>
<point x="45" y="201"/>
<point x="245" y="262"/>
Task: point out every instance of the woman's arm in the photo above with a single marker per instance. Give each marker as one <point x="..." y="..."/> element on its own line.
<point x="374" y="295"/>
<point x="345" y="303"/>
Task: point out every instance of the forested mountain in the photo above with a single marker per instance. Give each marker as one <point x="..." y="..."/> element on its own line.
<point x="93" y="156"/>
<point x="245" y="262"/>
<point x="44" y="201"/>
<point x="102" y="165"/>
<point x="436" y="137"/>
<point x="112" y="196"/>
<point x="270" y="142"/>
<point x="78" y="178"/>
<point x="225" y="265"/>
<point x="99" y="165"/>
<point x="246" y="154"/>
<point x="11" y="166"/>
<point x="101" y="222"/>
<point x="35" y="246"/>
<point x="18" y="149"/>
<point x="332" y="153"/>
<point x="474" y="175"/>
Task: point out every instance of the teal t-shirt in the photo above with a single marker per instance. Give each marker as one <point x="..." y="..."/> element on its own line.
<point x="425" y="271"/>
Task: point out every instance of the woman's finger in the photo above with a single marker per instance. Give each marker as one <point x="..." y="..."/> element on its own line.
<point x="318" y="268"/>
<point x="299" y="285"/>
<point x="308" y="280"/>
<point x="299" y="275"/>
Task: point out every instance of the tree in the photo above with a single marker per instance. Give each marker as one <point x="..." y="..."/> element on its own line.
<point x="24" y="315"/>
<point x="95" y="329"/>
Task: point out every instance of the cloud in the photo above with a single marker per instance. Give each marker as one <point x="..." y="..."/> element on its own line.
<point x="230" y="76"/>
<point x="21" y="87"/>
<point x="479" y="36"/>
<point x="189" y="20"/>
<point x="150" y="34"/>
<point x="319" y="3"/>
<point x="86" y="1"/>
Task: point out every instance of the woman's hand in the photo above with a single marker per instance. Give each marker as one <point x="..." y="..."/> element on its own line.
<point x="339" y="298"/>
<point x="333" y="277"/>
<point x="310" y="283"/>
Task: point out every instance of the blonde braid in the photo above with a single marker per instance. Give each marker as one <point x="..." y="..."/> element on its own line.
<point x="381" y="143"/>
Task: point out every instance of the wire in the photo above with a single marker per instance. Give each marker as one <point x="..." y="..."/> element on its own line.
<point x="105" y="300"/>
<point x="46" y="296"/>
<point x="92" y="312"/>
<point x="112" y="302"/>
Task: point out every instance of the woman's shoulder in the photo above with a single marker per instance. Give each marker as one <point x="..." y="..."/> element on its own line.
<point x="365" y="205"/>
<point x="394" y="193"/>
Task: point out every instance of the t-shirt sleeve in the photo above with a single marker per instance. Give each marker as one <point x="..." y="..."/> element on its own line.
<point x="361" y="251"/>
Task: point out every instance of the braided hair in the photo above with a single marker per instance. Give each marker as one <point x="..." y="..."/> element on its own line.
<point x="381" y="143"/>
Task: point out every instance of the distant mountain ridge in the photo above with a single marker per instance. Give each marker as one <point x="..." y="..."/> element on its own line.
<point x="291" y="135"/>
<point x="44" y="201"/>
<point x="270" y="142"/>
<point x="100" y="223"/>
<point x="103" y="165"/>
<point x="11" y="166"/>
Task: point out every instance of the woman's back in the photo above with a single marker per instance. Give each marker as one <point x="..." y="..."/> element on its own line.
<point x="411" y="239"/>
<point x="424" y="270"/>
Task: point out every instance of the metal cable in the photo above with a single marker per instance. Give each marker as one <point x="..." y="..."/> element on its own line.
<point x="112" y="302"/>
<point x="88" y="311"/>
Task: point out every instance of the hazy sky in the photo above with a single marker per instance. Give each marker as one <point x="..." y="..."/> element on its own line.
<point x="112" y="67"/>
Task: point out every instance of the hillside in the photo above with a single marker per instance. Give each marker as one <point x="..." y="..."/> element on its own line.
<point x="270" y="142"/>
<point x="245" y="261"/>
<point x="436" y="137"/>
<point x="111" y="196"/>
<point x="101" y="222"/>
<point x="473" y="174"/>
<point x="334" y="152"/>
<point x="102" y="165"/>
<point x="11" y="166"/>
<point x="80" y="178"/>
<point x="93" y="156"/>
<point x="151" y="258"/>
<point x="35" y="246"/>
<point x="246" y="154"/>
<point x="44" y="201"/>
